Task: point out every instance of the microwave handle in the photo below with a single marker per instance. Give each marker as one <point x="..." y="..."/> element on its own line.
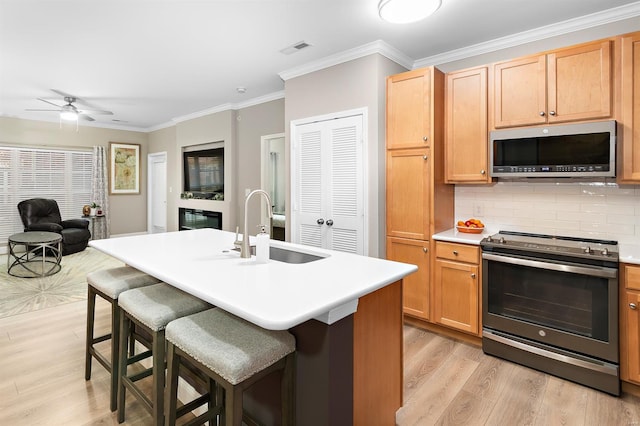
<point x="594" y="272"/>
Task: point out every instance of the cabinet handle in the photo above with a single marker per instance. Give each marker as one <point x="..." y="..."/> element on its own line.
<point x="424" y="157"/>
<point x="473" y="275"/>
<point x="329" y="222"/>
<point x="552" y="113"/>
<point x="455" y="252"/>
<point x="633" y="306"/>
<point x="541" y="113"/>
<point x="320" y="221"/>
<point x="424" y="138"/>
<point x="424" y="249"/>
<point x="482" y="172"/>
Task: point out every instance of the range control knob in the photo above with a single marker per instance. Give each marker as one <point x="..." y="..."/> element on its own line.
<point x="489" y="239"/>
<point x="605" y="251"/>
<point x="587" y="250"/>
<point x="502" y="240"/>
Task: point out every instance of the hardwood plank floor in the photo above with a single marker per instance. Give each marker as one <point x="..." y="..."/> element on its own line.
<point x="447" y="382"/>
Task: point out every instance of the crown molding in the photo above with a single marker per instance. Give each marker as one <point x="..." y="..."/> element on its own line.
<point x="260" y="100"/>
<point x="565" y="27"/>
<point x="377" y="46"/>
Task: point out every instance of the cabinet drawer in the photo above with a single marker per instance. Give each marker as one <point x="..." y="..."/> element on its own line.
<point x="460" y="252"/>
<point x="632" y="277"/>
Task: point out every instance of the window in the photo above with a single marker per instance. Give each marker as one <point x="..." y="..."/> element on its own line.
<point x="27" y="173"/>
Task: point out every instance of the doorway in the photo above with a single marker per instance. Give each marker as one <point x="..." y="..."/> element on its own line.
<point x="273" y="180"/>
<point x="157" y="193"/>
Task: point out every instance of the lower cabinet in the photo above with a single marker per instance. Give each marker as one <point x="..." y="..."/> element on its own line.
<point x="456" y="287"/>
<point x="630" y="323"/>
<point x="415" y="287"/>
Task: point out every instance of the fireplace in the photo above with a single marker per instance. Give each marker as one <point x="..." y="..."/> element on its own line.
<point x="196" y="218"/>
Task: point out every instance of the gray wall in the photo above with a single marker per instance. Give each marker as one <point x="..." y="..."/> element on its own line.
<point x="355" y="84"/>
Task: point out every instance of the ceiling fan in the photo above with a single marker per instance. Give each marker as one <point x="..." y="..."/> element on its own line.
<point x="68" y="111"/>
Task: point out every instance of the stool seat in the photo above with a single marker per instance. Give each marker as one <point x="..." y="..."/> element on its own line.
<point x="230" y="346"/>
<point x="156" y="305"/>
<point x="112" y="282"/>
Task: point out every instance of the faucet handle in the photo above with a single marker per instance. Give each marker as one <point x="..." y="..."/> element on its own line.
<point x="237" y="242"/>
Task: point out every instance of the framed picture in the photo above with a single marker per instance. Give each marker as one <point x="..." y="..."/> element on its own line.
<point x="124" y="168"/>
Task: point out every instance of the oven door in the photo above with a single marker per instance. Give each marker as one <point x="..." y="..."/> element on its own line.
<point x="573" y="307"/>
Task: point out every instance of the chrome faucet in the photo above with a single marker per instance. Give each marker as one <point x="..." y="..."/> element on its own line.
<point x="245" y="248"/>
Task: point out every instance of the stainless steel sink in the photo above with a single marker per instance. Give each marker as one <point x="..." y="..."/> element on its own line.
<point x="287" y="256"/>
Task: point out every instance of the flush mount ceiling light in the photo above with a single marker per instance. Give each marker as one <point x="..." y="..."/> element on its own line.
<point x="406" y="11"/>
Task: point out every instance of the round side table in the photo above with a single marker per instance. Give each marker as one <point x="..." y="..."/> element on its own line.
<point x="41" y="256"/>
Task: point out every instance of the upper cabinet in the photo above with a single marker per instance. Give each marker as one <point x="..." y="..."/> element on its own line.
<point x="466" y="158"/>
<point x="571" y="84"/>
<point x="409" y="96"/>
<point x="629" y="170"/>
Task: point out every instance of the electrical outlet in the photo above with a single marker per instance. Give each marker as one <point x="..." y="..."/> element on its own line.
<point x="478" y="210"/>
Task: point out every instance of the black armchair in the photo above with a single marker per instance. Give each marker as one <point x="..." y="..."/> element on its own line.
<point x="40" y="214"/>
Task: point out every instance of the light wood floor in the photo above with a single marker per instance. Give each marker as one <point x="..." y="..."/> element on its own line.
<point x="446" y="382"/>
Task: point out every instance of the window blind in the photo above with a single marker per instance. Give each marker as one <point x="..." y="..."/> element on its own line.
<point x="64" y="176"/>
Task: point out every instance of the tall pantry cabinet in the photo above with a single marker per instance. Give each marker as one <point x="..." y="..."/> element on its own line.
<point x="418" y="202"/>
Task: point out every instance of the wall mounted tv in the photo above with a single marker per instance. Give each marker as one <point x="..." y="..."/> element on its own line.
<point x="204" y="172"/>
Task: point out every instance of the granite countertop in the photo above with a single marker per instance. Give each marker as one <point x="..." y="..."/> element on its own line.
<point x="274" y="295"/>
<point x="629" y="253"/>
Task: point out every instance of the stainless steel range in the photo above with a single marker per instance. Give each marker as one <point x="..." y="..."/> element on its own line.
<point x="551" y="303"/>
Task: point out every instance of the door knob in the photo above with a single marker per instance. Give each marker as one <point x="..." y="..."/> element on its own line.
<point x="483" y="171"/>
<point x="424" y="249"/>
<point x="633" y="306"/>
<point x="552" y="113"/>
<point x="541" y="113"/>
<point x="455" y="252"/>
<point x="424" y="157"/>
<point x="320" y="221"/>
<point x="473" y="275"/>
<point x="329" y="222"/>
<point x="424" y="138"/>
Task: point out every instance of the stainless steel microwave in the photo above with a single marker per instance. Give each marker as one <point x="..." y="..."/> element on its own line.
<point x="565" y="150"/>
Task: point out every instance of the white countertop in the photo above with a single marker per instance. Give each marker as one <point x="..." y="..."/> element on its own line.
<point x="628" y="253"/>
<point x="275" y="295"/>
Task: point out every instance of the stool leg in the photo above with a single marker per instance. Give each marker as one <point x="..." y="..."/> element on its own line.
<point x="122" y="364"/>
<point x="233" y="405"/>
<point x="158" y="349"/>
<point x="288" y="391"/>
<point x="91" y="311"/>
<point x="173" y="365"/>
<point x="115" y="353"/>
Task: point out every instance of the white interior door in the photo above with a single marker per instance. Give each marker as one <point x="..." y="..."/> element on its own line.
<point x="157" y="191"/>
<point x="328" y="185"/>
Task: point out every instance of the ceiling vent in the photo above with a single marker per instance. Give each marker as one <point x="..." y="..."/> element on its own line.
<point x="296" y="47"/>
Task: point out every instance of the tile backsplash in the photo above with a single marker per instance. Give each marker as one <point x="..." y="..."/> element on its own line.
<point x="576" y="208"/>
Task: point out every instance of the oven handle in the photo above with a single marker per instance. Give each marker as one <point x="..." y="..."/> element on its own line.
<point x="583" y="270"/>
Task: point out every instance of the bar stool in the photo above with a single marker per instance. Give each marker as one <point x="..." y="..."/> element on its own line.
<point x="150" y="308"/>
<point x="108" y="284"/>
<point x="235" y="354"/>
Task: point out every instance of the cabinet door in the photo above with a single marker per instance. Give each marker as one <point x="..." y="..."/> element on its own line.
<point x="520" y="92"/>
<point x="579" y="82"/>
<point x="630" y="158"/>
<point x="415" y="287"/>
<point x="408" y="109"/>
<point x="630" y="337"/>
<point x="328" y="185"/>
<point x="408" y="174"/>
<point x="455" y="295"/>
<point x="466" y="126"/>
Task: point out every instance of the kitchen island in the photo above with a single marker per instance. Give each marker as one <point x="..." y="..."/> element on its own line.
<point x="344" y="310"/>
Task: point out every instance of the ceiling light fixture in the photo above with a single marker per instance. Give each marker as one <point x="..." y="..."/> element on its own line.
<point x="406" y="11"/>
<point x="68" y="113"/>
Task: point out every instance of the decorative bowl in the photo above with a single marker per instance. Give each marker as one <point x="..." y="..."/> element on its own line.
<point x="468" y="230"/>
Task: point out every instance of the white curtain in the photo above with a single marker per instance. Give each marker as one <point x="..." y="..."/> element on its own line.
<point x="99" y="186"/>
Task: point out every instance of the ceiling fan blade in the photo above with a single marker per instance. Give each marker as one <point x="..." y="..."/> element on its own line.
<point x="87" y="118"/>
<point x="91" y="111"/>
<point x="63" y="94"/>
<point x="31" y="109"/>
<point x="49" y="102"/>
